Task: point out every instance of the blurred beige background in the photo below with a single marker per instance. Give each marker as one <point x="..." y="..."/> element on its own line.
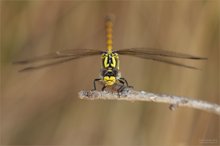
<point x="42" y="107"/>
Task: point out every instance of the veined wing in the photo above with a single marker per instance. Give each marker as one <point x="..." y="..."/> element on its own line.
<point x="160" y="55"/>
<point x="57" y="58"/>
<point x="157" y="52"/>
<point x="61" y="54"/>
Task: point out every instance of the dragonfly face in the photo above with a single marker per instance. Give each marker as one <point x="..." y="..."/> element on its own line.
<point x="109" y="77"/>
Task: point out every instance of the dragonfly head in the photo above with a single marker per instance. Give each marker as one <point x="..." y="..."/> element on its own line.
<point x="109" y="80"/>
<point x="109" y="77"/>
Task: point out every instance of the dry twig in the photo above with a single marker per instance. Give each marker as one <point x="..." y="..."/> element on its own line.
<point x="132" y="95"/>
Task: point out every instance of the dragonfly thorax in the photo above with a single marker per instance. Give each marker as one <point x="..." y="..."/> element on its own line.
<point x="110" y="60"/>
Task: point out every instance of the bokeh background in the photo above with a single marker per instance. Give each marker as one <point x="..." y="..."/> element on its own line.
<point x="42" y="107"/>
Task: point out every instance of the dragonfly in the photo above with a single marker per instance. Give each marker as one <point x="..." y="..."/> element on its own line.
<point x="110" y="73"/>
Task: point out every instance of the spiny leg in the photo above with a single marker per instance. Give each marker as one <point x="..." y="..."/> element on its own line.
<point x="103" y="88"/>
<point x="126" y="82"/>
<point x="122" y="87"/>
<point x="94" y="83"/>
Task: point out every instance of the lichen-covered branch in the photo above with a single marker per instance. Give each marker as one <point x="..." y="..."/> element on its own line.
<point x="132" y="95"/>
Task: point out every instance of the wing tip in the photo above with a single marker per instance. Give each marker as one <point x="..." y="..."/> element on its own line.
<point x="25" y="69"/>
<point x="20" y="62"/>
<point x="110" y="17"/>
<point x="199" y="58"/>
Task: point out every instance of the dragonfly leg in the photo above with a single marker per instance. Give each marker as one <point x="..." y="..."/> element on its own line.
<point x="122" y="86"/>
<point x="126" y="82"/>
<point x="103" y="88"/>
<point x="94" y="83"/>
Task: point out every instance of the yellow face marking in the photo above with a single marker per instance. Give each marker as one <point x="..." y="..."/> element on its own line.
<point x="109" y="80"/>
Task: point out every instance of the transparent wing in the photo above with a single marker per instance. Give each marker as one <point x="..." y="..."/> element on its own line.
<point x="56" y="58"/>
<point x="78" y="53"/>
<point x="157" y="52"/>
<point x="160" y="55"/>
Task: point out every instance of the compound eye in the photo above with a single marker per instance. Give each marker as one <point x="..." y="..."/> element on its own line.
<point x="115" y="72"/>
<point x="109" y="73"/>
